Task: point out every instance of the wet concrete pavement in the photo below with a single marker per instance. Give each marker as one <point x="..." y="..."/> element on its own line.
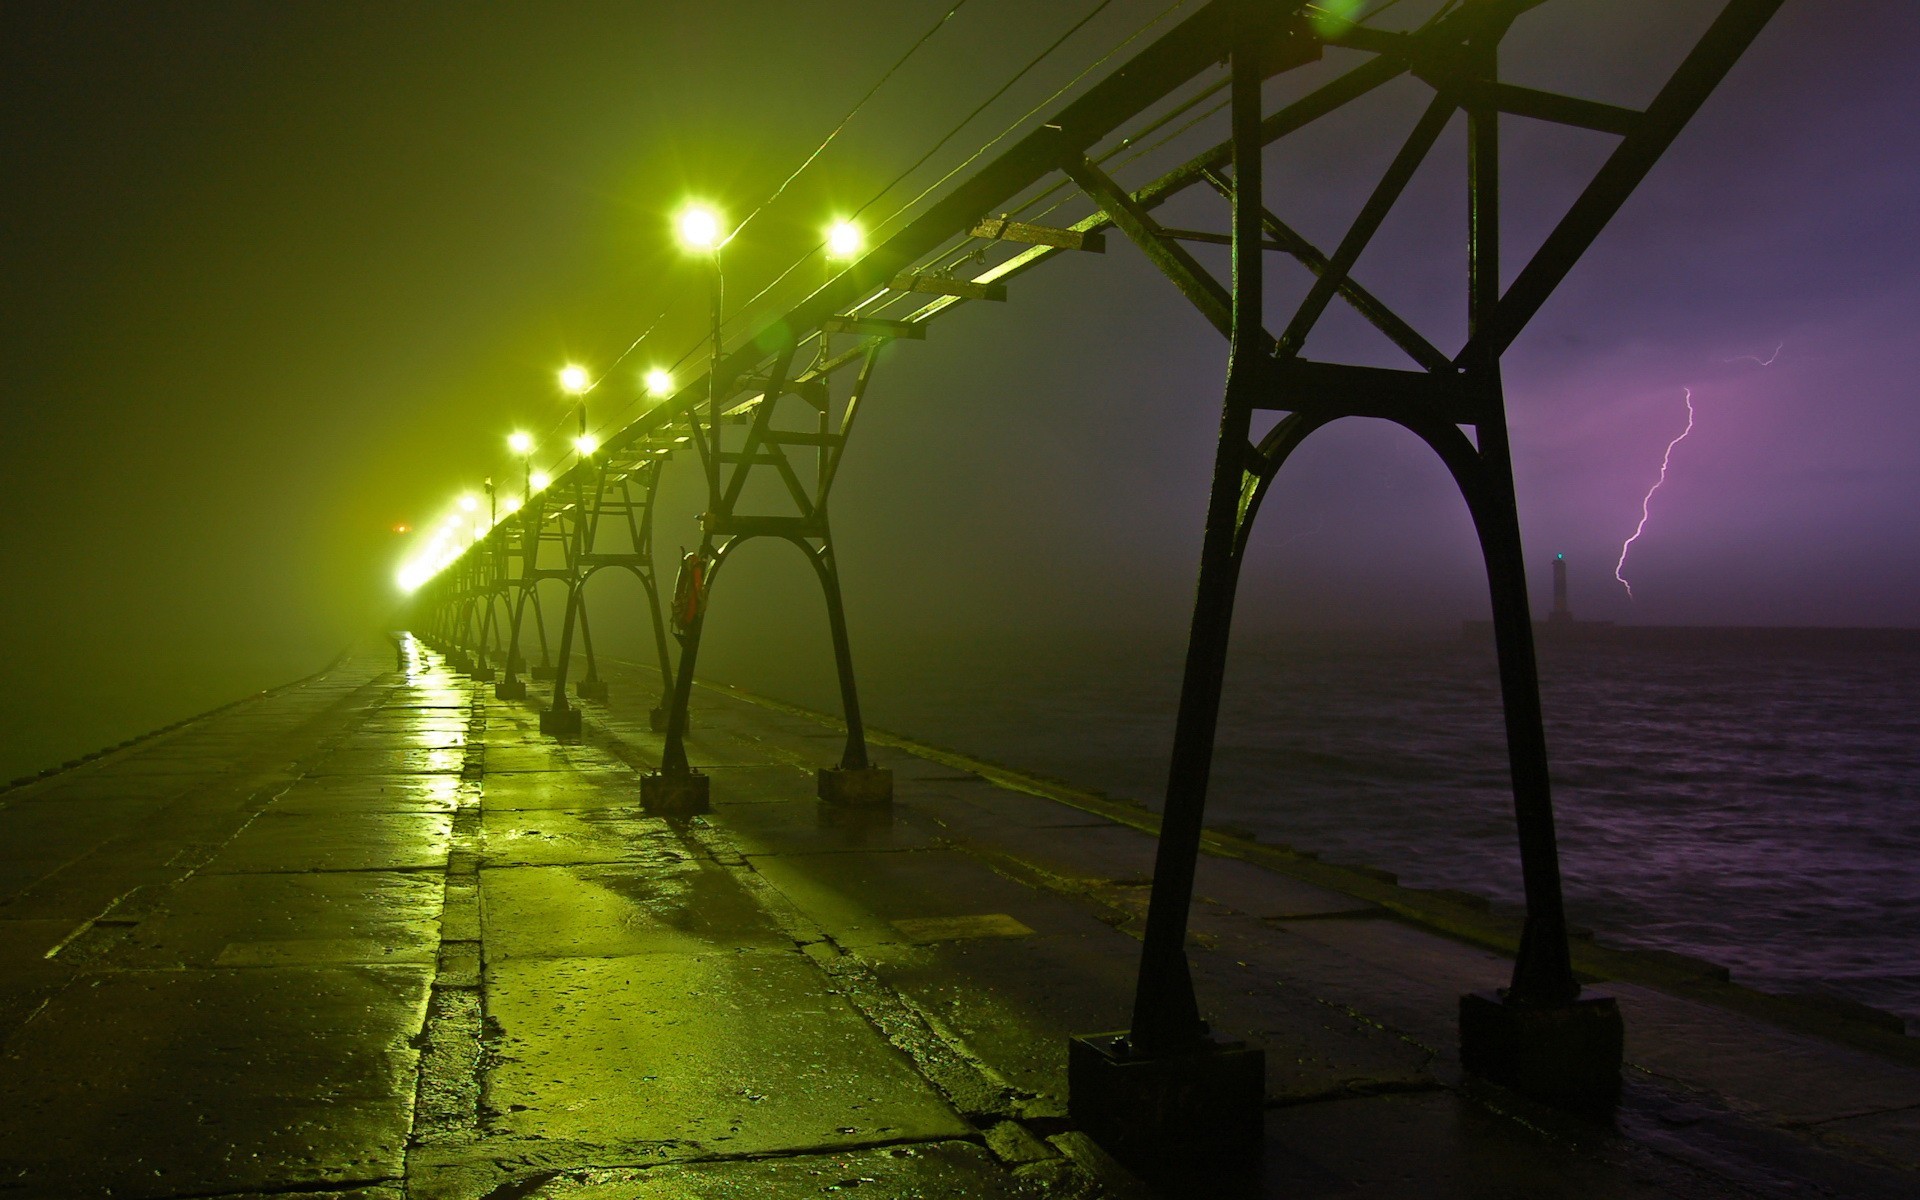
<point x="371" y="935"/>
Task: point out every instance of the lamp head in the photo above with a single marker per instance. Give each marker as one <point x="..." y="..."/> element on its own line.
<point x="698" y="227"/>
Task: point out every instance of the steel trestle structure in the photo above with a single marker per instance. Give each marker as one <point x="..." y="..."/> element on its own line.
<point x="1163" y="1087"/>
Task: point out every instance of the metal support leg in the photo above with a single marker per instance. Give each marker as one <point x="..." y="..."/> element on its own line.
<point x="855" y="780"/>
<point x="1542" y="1035"/>
<point x="592" y="687"/>
<point x="559" y="719"/>
<point x="1161" y="1093"/>
<point x="511" y="686"/>
<point x="543" y="670"/>
<point x="676" y="788"/>
<point x="658" y="715"/>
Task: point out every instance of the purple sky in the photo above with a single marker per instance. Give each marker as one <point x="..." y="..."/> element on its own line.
<point x="278" y="277"/>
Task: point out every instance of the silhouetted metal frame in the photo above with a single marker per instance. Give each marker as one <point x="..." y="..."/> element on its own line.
<point x="1268" y="373"/>
<point x="725" y="528"/>
<point x="1439" y="401"/>
<point x="611" y="490"/>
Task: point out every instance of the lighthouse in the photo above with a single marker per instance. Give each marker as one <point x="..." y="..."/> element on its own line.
<point x="1561" y="614"/>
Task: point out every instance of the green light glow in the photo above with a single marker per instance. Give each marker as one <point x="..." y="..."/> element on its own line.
<point x="698" y="227"/>
<point x="539" y="480"/>
<point x="659" y="383"/>
<point x="574" y="379"/>
<point x="845" y="240"/>
<point x="521" y="443"/>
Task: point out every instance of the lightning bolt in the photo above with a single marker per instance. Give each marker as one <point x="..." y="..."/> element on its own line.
<point x="1646" y="502"/>
<point x="1755" y="358"/>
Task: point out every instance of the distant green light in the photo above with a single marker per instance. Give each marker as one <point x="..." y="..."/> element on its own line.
<point x="521" y="443"/>
<point x="586" y="444"/>
<point x="469" y="502"/>
<point x="539" y="480"/>
<point x="574" y="379"/>
<point x="659" y="383"/>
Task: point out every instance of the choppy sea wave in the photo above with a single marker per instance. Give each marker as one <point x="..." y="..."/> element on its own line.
<point x="1751" y="799"/>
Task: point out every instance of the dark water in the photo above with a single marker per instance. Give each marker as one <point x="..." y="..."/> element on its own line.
<point x="1751" y="799"/>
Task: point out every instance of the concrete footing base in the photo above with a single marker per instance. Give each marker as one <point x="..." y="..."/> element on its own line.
<point x="657" y="720"/>
<point x="591" y="689"/>
<point x="1566" y="1054"/>
<point x="855" y="785"/>
<point x="542" y="673"/>
<point x="510" y="688"/>
<point x="482" y="674"/>
<point x="1171" y="1111"/>
<point x="674" y="795"/>
<point x="563" y="722"/>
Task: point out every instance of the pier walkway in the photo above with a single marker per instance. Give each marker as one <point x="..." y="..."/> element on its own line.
<point x="371" y="935"/>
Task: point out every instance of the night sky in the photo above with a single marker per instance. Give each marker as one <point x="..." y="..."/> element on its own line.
<point x="280" y="277"/>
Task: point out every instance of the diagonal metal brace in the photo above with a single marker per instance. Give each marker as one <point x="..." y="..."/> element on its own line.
<point x="1195" y="282"/>
<point x="1290" y="241"/>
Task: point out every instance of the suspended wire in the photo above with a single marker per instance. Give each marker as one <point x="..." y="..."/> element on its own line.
<point x="798" y="171"/>
<point x="982" y="106"/>
<point x="1001" y="136"/>
<point x="861" y="103"/>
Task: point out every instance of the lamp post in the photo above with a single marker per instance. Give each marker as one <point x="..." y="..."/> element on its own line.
<point x="700" y="232"/>
<point x="521" y="443"/>
<point x="676" y="787"/>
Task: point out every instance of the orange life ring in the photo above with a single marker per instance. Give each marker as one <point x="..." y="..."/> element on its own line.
<point x="689" y="591"/>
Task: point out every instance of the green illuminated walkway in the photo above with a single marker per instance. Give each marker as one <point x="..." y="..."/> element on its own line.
<point x="371" y="935"/>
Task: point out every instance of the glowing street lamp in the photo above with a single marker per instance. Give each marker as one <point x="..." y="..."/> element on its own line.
<point x="574" y="379"/>
<point x="586" y="444"/>
<point x="659" y="383"/>
<point x="521" y="443"/>
<point x="845" y="240"/>
<point x="700" y="231"/>
<point x="698" y="227"/>
<point x="469" y="502"/>
<point x="538" y="481"/>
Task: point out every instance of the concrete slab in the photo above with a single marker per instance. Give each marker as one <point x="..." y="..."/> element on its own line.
<point x="810" y="827"/>
<point x="697" y="1055"/>
<point x="213" y="1082"/>
<point x="1432" y="1145"/>
<point x="510" y="759"/>
<point x="325" y="794"/>
<point x="687" y="906"/>
<point x="594" y="835"/>
<point x="388" y="736"/>
<point x="561" y="789"/>
<point x="389" y="762"/>
<point x="1015" y="1003"/>
<point x="1801" y="1079"/>
<point x="28" y="941"/>
<point x="291" y="919"/>
<point x="758" y="782"/>
<point x="937" y="1169"/>
<point x="350" y="841"/>
<point x="856" y="897"/>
